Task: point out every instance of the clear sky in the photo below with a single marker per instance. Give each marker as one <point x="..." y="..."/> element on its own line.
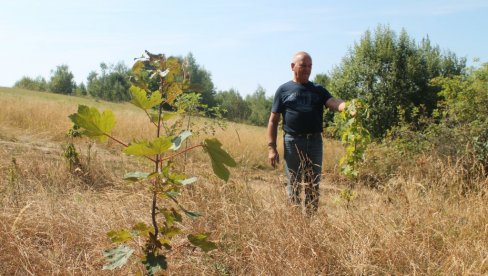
<point x="243" y="44"/>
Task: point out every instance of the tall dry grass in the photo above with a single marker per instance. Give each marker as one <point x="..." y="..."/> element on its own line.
<point x="420" y="219"/>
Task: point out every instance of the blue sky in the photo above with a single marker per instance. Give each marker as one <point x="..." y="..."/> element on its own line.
<point x="243" y="44"/>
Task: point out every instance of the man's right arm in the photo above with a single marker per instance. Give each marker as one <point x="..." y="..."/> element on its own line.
<point x="336" y="104"/>
<point x="272" y="132"/>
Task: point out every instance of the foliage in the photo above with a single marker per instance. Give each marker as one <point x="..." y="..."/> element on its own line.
<point x="389" y="72"/>
<point x="81" y="90"/>
<point x="457" y="131"/>
<point x="322" y="79"/>
<point x="260" y="106"/>
<point x="72" y="156"/>
<point x="112" y="84"/>
<point x="62" y="80"/>
<point x="481" y="147"/>
<point x="236" y="107"/>
<point x="354" y="136"/>
<point x="190" y="105"/>
<point x="165" y="184"/>
<point x="37" y="84"/>
<point x="200" y="81"/>
<point x="346" y="196"/>
<point x="464" y="108"/>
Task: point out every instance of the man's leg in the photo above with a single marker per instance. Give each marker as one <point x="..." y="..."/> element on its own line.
<point x="293" y="186"/>
<point x="313" y="172"/>
<point x="292" y="169"/>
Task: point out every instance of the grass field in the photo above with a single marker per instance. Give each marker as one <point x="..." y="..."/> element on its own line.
<point x="54" y="222"/>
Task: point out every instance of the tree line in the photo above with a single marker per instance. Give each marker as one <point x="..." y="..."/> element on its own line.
<point x="111" y="83"/>
<point x="391" y="73"/>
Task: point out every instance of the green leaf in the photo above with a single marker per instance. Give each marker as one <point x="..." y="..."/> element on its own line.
<point x="118" y="236"/>
<point x="168" y="216"/>
<point x="138" y="176"/>
<point x="144" y="148"/>
<point x="173" y="177"/>
<point x="140" y="99"/>
<point x="200" y="240"/>
<point x="170" y="232"/>
<point x="178" y="140"/>
<point x="141" y="229"/>
<point x="117" y="257"/>
<point x="154" y="263"/>
<point x="94" y="124"/>
<point x="219" y="158"/>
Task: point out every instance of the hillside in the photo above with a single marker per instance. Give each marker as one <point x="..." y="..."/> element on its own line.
<point x="54" y="221"/>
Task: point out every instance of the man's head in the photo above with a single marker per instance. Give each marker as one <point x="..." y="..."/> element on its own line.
<point x="301" y="65"/>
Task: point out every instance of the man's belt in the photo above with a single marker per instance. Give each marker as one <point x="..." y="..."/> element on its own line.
<point x="305" y="135"/>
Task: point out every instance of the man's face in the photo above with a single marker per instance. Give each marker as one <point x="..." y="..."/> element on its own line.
<point x="302" y="68"/>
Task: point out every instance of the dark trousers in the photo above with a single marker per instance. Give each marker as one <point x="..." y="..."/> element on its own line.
<point x="303" y="163"/>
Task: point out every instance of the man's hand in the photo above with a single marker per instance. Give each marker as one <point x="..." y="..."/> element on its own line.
<point x="273" y="156"/>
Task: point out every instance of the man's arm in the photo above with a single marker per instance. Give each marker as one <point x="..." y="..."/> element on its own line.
<point x="273" y="156"/>
<point x="335" y="104"/>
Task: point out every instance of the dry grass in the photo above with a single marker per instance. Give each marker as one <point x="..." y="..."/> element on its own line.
<point x="53" y="222"/>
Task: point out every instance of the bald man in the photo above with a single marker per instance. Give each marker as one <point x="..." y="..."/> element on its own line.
<point x="301" y="104"/>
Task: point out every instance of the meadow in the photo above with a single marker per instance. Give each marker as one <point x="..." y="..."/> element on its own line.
<point x="417" y="219"/>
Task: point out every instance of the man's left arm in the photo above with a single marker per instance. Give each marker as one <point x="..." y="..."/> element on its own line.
<point x="335" y="104"/>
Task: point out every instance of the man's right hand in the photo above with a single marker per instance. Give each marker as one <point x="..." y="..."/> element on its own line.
<point x="273" y="156"/>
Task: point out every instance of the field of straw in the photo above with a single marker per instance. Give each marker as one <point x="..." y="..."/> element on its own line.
<point x="54" y="221"/>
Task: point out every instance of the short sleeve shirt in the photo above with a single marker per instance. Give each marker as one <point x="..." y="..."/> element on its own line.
<point x="302" y="106"/>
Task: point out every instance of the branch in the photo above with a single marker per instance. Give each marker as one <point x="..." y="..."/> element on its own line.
<point x="150" y="119"/>
<point x="181" y="152"/>
<point x="126" y="145"/>
<point x="116" y="140"/>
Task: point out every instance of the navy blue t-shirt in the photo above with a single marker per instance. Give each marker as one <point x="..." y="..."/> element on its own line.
<point x="302" y="106"/>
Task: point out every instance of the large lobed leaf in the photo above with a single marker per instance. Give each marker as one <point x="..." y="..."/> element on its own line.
<point x="140" y="99"/>
<point x="220" y="158"/>
<point x="119" y="236"/>
<point x="92" y="123"/>
<point x="145" y="148"/>
<point x="154" y="263"/>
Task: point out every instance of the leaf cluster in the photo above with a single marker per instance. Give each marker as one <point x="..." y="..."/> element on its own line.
<point x="354" y="136"/>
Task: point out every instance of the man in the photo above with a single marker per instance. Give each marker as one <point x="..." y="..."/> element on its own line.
<point x="301" y="103"/>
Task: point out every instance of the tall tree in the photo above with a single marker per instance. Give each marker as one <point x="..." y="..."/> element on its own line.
<point x="235" y="106"/>
<point x="112" y="83"/>
<point x="62" y="80"/>
<point x="200" y="80"/>
<point x="391" y="75"/>
<point x="260" y="106"/>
